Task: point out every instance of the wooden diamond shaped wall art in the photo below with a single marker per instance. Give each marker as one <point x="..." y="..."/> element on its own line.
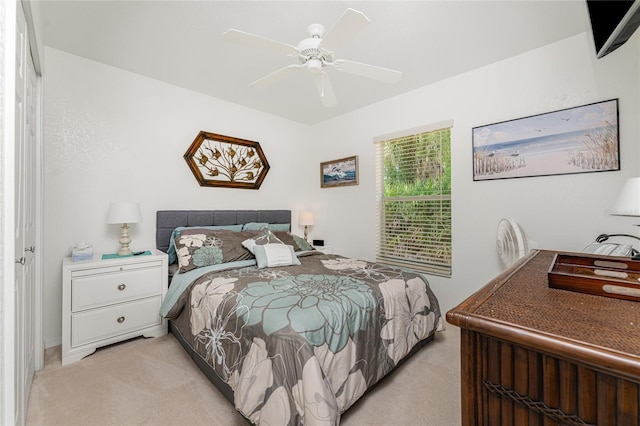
<point x="218" y="160"/>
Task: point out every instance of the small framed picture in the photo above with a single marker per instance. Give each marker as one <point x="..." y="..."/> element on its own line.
<point x="341" y="172"/>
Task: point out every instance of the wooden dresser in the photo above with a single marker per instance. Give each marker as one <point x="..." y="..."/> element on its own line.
<point x="533" y="355"/>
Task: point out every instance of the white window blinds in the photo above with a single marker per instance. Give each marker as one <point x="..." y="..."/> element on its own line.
<point x="413" y="186"/>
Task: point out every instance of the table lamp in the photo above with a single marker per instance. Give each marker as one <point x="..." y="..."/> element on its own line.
<point x="627" y="204"/>
<point x="305" y="219"/>
<point x="124" y="213"/>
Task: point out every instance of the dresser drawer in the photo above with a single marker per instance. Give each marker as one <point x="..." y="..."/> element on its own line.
<point x="98" y="324"/>
<point x="99" y="290"/>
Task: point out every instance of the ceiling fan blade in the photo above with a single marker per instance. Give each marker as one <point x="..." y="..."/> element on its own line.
<point x="276" y="76"/>
<point x="349" y="24"/>
<point x="325" y="89"/>
<point x="370" y="71"/>
<point x="253" y="40"/>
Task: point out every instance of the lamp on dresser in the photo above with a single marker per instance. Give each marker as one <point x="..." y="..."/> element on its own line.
<point x="124" y="213"/>
<point x="305" y="219"/>
<point x="627" y="204"/>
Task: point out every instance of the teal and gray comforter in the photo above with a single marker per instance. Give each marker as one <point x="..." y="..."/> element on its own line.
<point x="300" y="344"/>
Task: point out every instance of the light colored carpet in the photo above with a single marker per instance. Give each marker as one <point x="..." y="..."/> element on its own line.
<point x="154" y="382"/>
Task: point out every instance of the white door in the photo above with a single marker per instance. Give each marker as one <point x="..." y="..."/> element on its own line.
<point x="29" y="227"/>
<point x="24" y="226"/>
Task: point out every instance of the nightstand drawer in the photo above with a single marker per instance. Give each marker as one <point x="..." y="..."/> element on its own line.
<point x="98" y="324"/>
<point x="99" y="290"/>
<point x="88" y="269"/>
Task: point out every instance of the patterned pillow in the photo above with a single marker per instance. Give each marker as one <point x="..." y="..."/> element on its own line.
<point x="298" y="243"/>
<point x="265" y="236"/>
<point x="171" y="251"/>
<point x="196" y="248"/>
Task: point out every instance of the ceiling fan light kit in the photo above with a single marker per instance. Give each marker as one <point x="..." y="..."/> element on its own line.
<point x="314" y="65"/>
<point x="316" y="53"/>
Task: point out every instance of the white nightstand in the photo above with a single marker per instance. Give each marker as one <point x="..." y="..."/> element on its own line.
<point x="107" y="301"/>
<point x="324" y="249"/>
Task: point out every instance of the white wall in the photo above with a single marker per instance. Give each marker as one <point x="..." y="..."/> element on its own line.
<point x="113" y="135"/>
<point x="559" y="212"/>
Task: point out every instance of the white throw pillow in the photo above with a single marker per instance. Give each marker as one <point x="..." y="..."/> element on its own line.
<point x="271" y="255"/>
<point x="265" y="237"/>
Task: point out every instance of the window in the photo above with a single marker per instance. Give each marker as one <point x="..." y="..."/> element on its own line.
<point x="413" y="185"/>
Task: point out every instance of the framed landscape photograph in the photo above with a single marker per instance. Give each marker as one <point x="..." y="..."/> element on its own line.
<point x="341" y="172"/>
<point x="574" y="140"/>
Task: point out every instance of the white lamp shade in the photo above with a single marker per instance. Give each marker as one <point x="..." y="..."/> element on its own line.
<point x="628" y="203"/>
<point x="124" y="213"/>
<point x="305" y="218"/>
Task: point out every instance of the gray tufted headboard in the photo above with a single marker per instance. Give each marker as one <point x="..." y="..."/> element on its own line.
<point x="168" y="220"/>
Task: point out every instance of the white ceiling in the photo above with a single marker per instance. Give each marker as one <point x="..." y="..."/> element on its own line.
<point x="180" y="42"/>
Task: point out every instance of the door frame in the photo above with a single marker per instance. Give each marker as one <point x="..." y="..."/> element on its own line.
<point x="7" y="197"/>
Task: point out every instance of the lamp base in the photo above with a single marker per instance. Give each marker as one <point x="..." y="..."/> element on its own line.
<point x="125" y="240"/>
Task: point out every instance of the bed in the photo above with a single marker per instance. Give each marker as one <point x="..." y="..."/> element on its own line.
<point x="288" y="334"/>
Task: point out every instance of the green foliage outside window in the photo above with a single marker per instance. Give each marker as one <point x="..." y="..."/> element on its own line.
<point x="419" y="166"/>
<point x="416" y="202"/>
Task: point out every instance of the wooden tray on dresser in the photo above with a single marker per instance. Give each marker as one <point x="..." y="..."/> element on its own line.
<point x="535" y="355"/>
<point x="607" y="276"/>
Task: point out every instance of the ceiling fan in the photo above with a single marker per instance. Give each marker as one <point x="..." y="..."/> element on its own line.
<point x="317" y="53"/>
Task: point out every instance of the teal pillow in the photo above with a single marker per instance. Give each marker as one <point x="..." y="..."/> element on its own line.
<point x="173" y="257"/>
<point x="300" y="242"/>
<point x="272" y="255"/>
<point x="254" y="226"/>
<point x="258" y="226"/>
<point x="279" y="227"/>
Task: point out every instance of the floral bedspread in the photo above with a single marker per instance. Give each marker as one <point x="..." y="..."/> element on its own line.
<point x="300" y="344"/>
